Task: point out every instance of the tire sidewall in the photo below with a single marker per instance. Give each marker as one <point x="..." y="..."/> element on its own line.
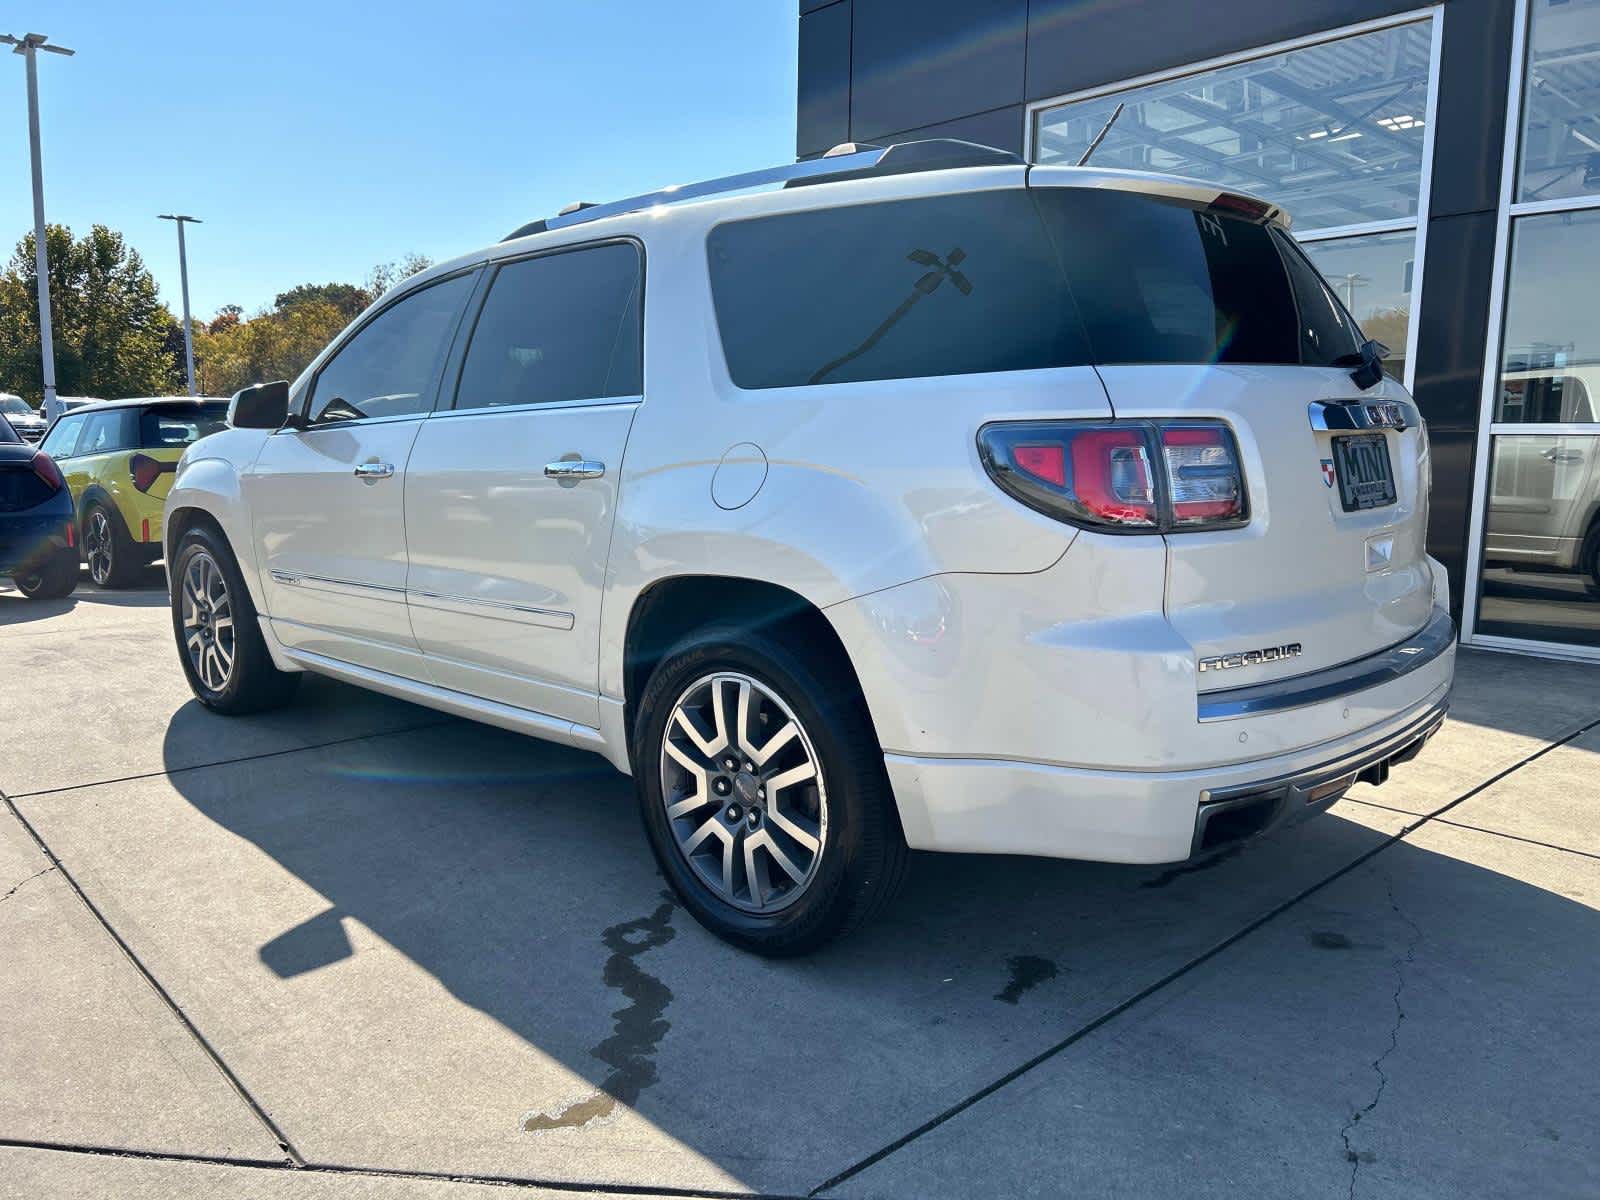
<point x="822" y="713"/>
<point x="198" y="541"/>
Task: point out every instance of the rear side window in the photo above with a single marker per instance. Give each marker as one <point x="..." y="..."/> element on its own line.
<point x="946" y="285"/>
<point x="107" y="432"/>
<point x="562" y="326"/>
<point x="175" y="428"/>
<point x="1013" y="280"/>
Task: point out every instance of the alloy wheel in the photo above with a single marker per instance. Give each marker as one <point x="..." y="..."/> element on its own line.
<point x="97" y="546"/>
<point x="208" y="634"/>
<point x="743" y="792"/>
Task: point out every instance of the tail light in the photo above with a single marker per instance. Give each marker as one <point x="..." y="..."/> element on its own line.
<point x="146" y="470"/>
<point x="1121" y="476"/>
<point x="49" y="474"/>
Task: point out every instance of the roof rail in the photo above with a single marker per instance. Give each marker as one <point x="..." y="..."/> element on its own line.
<point x="848" y="160"/>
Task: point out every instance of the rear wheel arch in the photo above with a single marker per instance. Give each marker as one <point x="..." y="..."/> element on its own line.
<point x="674" y="608"/>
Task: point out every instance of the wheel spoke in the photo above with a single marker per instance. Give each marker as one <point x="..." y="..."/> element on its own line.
<point x="776" y="816"/>
<point x="775" y="743"/>
<point x="792" y="776"/>
<point x="782" y="859"/>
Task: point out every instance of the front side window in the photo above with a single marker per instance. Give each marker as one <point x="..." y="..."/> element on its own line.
<point x="62" y="439"/>
<point x="389" y="366"/>
<point x="559" y="327"/>
<point x="175" y="428"/>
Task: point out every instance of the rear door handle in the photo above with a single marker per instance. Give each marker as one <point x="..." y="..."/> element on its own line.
<point x="374" y="470"/>
<point x="574" y="469"/>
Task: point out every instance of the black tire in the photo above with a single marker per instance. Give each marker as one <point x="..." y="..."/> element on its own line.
<point x="107" y="548"/>
<point x="862" y="860"/>
<point x="54" y="580"/>
<point x="251" y="682"/>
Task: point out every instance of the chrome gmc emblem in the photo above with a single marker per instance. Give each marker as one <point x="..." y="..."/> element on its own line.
<point x="1251" y="658"/>
<point x="1385" y="414"/>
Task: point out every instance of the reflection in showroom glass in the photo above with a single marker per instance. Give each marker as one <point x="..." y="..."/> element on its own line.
<point x="1550" y="367"/>
<point x="1561" y="102"/>
<point x="1333" y="131"/>
<point x="1372" y="275"/>
<point x="1541" y="551"/>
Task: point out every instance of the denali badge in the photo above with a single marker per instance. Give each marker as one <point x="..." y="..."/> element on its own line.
<point x="1250" y="658"/>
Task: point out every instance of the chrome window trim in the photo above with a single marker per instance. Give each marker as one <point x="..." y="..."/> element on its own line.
<point x="491" y="409"/>
<point x="1277" y="695"/>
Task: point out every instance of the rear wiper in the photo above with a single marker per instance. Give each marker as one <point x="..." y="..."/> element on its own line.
<point x="1368" y="363"/>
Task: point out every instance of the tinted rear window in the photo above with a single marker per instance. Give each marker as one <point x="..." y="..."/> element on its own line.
<point x="1012" y="280"/>
<point x="175" y="428"/>
<point x="7" y="434"/>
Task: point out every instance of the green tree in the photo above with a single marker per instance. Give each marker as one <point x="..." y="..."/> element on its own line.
<point x="113" y="336"/>
<point x="346" y="297"/>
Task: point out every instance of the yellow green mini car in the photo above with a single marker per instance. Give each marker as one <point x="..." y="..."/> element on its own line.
<point x="118" y="457"/>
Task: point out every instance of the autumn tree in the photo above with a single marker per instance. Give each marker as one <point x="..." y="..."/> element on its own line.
<point x="113" y="337"/>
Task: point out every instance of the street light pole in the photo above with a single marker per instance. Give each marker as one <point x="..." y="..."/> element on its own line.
<point x="183" y="274"/>
<point x="28" y="46"/>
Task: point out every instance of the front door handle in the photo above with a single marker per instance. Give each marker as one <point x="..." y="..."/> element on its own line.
<point x="374" y="470"/>
<point x="574" y="469"/>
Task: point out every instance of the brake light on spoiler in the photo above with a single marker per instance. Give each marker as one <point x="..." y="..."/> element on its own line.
<point x="1121" y="476"/>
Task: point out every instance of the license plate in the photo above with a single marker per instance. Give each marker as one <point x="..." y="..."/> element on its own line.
<point x="1365" y="478"/>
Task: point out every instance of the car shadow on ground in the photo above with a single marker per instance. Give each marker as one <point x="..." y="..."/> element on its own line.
<point x="516" y="874"/>
<point x="147" y="589"/>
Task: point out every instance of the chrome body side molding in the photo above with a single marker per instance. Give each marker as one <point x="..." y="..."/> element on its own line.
<point x="499" y="610"/>
<point x="1420" y="649"/>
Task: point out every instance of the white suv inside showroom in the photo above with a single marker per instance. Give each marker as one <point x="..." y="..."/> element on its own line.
<point x="907" y="498"/>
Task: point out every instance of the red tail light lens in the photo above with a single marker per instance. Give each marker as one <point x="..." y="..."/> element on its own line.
<point x="49" y="474"/>
<point x="1120" y="476"/>
<point x="146" y="471"/>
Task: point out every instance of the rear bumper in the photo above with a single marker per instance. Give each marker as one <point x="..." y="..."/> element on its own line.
<point x="28" y="542"/>
<point x="1007" y="807"/>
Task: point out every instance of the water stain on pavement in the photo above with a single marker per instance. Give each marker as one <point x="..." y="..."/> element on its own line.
<point x="1027" y="971"/>
<point x="637" y="1029"/>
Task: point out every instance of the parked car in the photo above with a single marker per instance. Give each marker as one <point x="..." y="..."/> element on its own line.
<point x="930" y="500"/>
<point x="38" y="544"/>
<point x="27" y="424"/>
<point x="65" y="404"/>
<point x="118" y="457"/>
<point x="1544" y="493"/>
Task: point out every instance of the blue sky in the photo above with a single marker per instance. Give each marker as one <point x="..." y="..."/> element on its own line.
<point x="316" y="139"/>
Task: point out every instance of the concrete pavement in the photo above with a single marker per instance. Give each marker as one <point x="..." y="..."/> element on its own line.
<point x="361" y="936"/>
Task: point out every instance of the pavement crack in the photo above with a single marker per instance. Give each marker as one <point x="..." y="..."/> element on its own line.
<point x="1353" y="1156"/>
<point x="25" y="882"/>
<point x="637" y="1028"/>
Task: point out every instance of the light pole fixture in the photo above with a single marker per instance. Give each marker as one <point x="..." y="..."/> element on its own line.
<point x="183" y="275"/>
<point x="28" y="45"/>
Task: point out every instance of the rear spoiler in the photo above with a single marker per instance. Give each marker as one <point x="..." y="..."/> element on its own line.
<point x="1175" y="187"/>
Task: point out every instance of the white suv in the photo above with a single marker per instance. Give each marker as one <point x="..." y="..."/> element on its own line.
<point x="927" y="500"/>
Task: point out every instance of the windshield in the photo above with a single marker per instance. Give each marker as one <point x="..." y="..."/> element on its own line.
<point x="175" y="428"/>
<point x="15" y="406"/>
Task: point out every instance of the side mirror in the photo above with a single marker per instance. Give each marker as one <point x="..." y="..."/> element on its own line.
<point x="261" y="406"/>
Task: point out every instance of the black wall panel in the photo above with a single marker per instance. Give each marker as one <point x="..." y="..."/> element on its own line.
<point x="923" y="62"/>
<point x="1075" y="44"/>
<point x="822" y="116"/>
<point x="1001" y="127"/>
<point x="1474" y="75"/>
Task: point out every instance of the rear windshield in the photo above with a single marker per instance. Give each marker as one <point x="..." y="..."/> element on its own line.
<point x="7" y="434"/>
<point x="175" y="428"/>
<point x="1013" y="280"/>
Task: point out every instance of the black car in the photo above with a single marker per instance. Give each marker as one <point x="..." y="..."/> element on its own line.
<point x="38" y="540"/>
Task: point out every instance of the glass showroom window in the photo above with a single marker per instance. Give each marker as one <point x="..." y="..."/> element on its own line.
<point x="1335" y="129"/>
<point x="1538" y="564"/>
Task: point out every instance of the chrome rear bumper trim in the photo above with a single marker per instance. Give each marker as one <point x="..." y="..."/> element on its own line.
<point x="1417" y="651"/>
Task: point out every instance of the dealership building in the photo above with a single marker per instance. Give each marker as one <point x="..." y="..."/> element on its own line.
<point x="1441" y="166"/>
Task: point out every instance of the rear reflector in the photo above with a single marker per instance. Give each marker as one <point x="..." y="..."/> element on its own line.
<point x="1120" y="476"/>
